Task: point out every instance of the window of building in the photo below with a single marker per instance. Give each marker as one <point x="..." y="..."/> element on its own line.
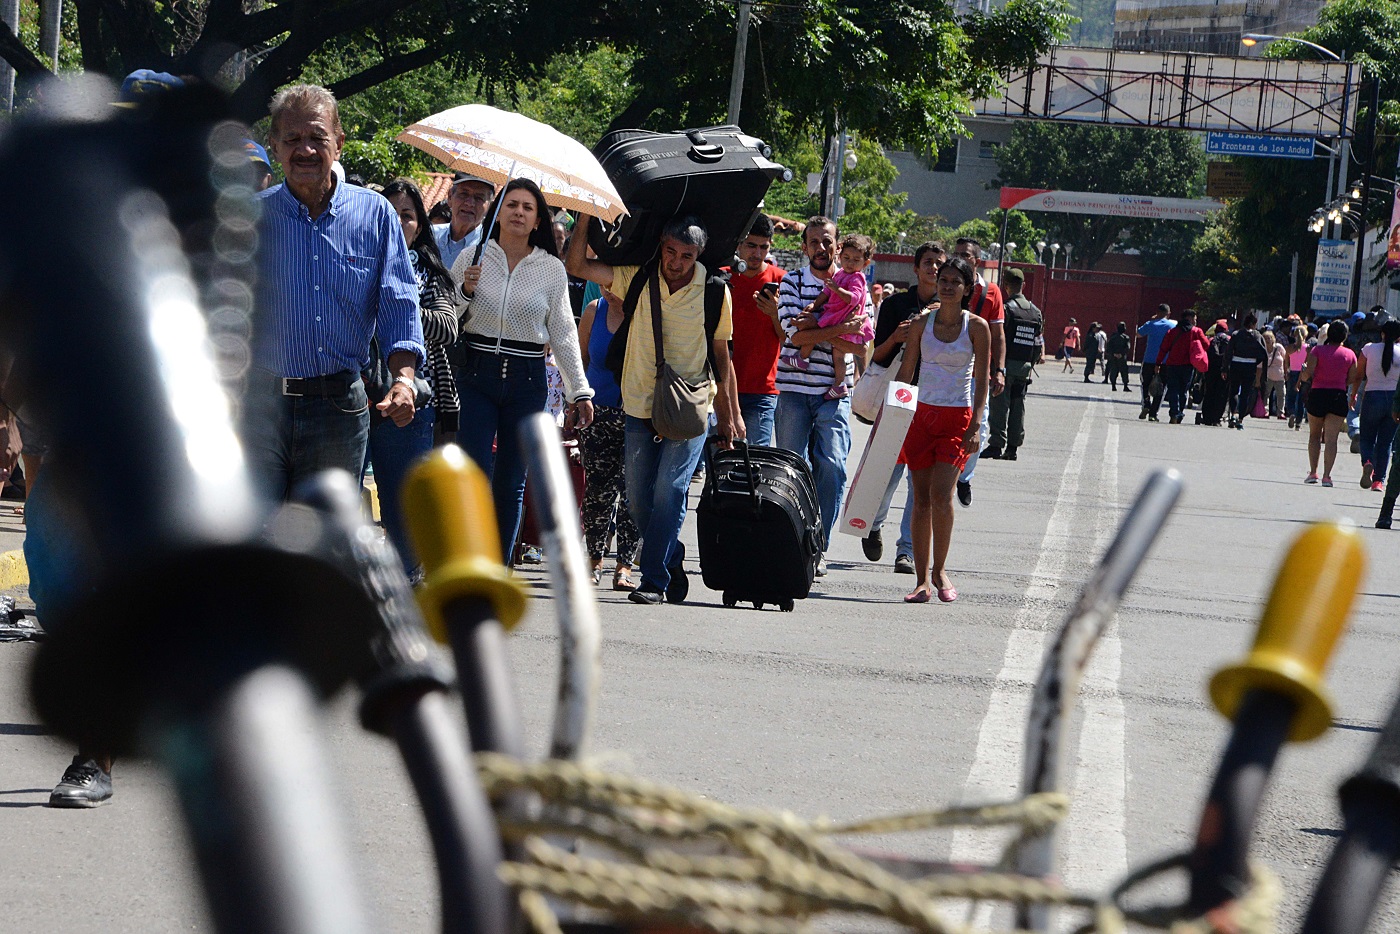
<point x="947" y="160"/>
<point x="987" y="148"/>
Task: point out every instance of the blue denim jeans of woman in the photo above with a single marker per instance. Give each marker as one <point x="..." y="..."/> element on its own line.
<point x="498" y="392"/>
<point x="758" y="410"/>
<point x="658" y="481"/>
<point x="1377" y="430"/>
<point x="1290" y="396"/>
<point x="392" y="450"/>
<point x="1178" y="380"/>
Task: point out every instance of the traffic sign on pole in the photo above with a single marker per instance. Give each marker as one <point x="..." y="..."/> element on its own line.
<point x="1219" y="142"/>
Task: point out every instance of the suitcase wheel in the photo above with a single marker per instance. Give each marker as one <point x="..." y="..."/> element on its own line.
<point x="785" y="606"/>
<point x="729" y="599"/>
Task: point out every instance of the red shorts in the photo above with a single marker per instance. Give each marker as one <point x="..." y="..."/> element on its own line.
<point x="936" y="437"/>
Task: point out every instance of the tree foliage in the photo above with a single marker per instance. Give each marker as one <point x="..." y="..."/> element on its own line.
<point x="1162" y="163"/>
<point x="903" y="67"/>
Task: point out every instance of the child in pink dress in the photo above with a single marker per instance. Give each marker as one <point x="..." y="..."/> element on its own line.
<point x="843" y="297"/>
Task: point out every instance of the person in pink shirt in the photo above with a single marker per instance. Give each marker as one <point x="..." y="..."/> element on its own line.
<point x="1297" y="356"/>
<point x="1068" y="345"/>
<point x="1328" y="372"/>
<point x="841" y="298"/>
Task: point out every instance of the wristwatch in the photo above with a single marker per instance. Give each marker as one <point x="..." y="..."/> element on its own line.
<point x="409" y="382"/>
<point x="1001" y="369"/>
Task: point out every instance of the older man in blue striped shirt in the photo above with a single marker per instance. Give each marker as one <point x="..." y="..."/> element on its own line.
<point x="334" y="272"/>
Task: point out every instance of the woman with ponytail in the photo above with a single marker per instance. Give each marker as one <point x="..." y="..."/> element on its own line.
<point x="1379" y="369"/>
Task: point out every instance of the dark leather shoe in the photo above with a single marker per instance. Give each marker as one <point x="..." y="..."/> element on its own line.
<point x="965" y="493"/>
<point x="648" y="595"/>
<point x="1010" y="454"/>
<point x="679" y="587"/>
<point x="84" y="785"/>
<point x="873" y="546"/>
<point x="992" y="454"/>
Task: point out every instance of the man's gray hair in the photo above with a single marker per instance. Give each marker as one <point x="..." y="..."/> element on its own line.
<point x="687" y="231"/>
<point x="306" y="98"/>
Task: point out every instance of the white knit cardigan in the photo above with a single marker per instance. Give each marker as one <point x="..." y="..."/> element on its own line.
<point x="530" y="304"/>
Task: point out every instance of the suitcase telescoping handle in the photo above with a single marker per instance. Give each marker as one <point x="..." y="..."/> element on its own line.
<point x="711" y="477"/>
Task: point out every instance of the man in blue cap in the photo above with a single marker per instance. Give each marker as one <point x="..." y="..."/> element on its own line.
<point x="261" y="165"/>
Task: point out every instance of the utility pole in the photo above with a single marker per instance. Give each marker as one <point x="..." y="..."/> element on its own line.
<point x="50" y="19"/>
<point x="840" y="168"/>
<point x="9" y="12"/>
<point x="741" y="54"/>
<point x="1293" y="287"/>
<point x="1366" y="172"/>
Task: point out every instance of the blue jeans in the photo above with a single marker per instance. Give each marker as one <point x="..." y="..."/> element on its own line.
<point x="658" y="480"/>
<point x="1291" y="408"/>
<point x="905" y="544"/>
<point x="819" y="430"/>
<point x="1377" y="430"/>
<point x="757" y="411"/>
<point x="498" y="392"/>
<point x="392" y="450"/>
<point x="1178" y="380"/>
<point x="291" y="438"/>
<point x="970" y="467"/>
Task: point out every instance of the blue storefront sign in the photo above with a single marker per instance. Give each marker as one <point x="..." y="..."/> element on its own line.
<point x="1250" y="144"/>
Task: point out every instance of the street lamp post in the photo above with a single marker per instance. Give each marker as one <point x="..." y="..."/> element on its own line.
<point x="1040" y="252"/>
<point x="1068" y="248"/>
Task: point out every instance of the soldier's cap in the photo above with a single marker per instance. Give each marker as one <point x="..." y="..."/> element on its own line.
<point x="1015" y="275"/>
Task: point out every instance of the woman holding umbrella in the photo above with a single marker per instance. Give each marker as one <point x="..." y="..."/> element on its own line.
<point x="517" y="302"/>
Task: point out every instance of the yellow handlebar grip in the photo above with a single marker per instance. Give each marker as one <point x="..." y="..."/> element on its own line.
<point x="452" y="523"/>
<point x="1306" y="612"/>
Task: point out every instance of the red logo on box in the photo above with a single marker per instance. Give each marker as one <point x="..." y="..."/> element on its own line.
<point x="903" y="395"/>
<point x="858" y="523"/>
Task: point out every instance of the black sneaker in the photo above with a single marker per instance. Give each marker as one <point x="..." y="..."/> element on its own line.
<point x="903" y="564"/>
<point x="873" y="546"/>
<point x="1142" y="415"/>
<point x="84" y="785"/>
<point x="1383" y="521"/>
<point x="679" y="587"/>
<point x="992" y="453"/>
<point x="965" y="493"/>
<point x="648" y="595"/>
<point x="1151" y="417"/>
<point x="1010" y="454"/>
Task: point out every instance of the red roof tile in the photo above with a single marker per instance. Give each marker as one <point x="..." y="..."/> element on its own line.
<point x="436" y="188"/>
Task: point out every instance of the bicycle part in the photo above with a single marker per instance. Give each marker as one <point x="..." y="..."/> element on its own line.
<point x="1361" y="861"/>
<point x="467" y="590"/>
<point x="159" y="619"/>
<point x="1052" y="703"/>
<point x="1275" y="694"/>
<point x="575" y="602"/>
<point x="405" y="698"/>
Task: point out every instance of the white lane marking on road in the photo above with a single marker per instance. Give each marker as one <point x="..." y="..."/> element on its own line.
<point x="1095" y="852"/>
<point x="996" y="765"/>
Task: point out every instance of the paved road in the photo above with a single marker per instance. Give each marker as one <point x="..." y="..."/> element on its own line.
<point x="857" y="704"/>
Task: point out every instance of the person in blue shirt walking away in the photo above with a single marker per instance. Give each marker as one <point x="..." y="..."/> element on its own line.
<point x="333" y="271"/>
<point x="1152" y="383"/>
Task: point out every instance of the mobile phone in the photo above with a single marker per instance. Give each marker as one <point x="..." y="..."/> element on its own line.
<point x="770" y="287"/>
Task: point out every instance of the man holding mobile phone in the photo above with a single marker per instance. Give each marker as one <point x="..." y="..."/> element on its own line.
<point x="758" y="337"/>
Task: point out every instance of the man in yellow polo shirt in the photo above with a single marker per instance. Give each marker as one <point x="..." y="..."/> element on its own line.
<point x="659" y="470"/>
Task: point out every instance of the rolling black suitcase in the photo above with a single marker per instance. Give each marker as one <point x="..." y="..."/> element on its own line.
<point x="759" y="525"/>
<point x="719" y="174"/>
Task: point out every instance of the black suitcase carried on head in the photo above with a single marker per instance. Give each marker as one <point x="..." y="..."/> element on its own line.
<point x="719" y="174"/>
<point x="759" y="525"/>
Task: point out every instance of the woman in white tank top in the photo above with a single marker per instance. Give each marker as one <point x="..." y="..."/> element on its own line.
<point x="951" y="349"/>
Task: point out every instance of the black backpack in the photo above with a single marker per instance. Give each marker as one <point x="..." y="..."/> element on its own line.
<point x="715" y="286"/>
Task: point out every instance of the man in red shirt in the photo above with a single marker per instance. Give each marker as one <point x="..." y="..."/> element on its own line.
<point x="987" y="304"/>
<point x="758" y="337"/>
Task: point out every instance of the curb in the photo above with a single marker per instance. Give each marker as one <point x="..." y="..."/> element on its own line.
<point x="13" y="571"/>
